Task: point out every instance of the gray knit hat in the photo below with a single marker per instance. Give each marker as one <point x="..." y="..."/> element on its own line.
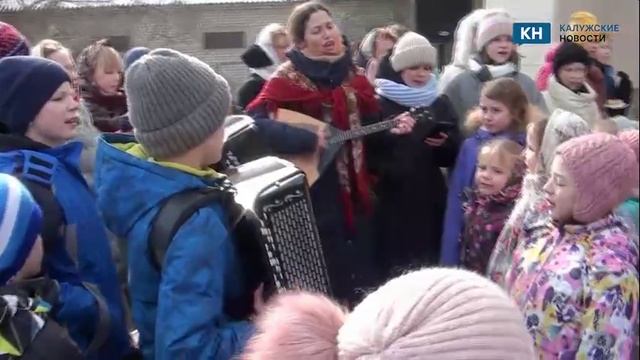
<point x="175" y="102"/>
<point x="412" y="50"/>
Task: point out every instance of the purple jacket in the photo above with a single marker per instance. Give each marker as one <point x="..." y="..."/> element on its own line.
<point x="461" y="178"/>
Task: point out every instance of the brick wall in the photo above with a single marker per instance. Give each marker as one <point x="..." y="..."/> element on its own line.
<point x="182" y="27"/>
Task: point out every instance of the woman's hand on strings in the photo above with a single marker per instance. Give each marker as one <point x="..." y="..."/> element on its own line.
<point x="405" y="124"/>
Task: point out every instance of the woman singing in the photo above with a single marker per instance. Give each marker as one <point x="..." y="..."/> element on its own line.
<point x="321" y="81"/>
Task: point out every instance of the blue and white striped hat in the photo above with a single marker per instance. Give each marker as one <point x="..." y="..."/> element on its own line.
<point x="20" y="221"/>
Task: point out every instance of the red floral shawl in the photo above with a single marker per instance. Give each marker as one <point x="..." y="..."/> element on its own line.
<point x="291" y="89"/>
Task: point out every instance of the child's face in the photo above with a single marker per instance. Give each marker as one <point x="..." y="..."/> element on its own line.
<point x="592" y="48"/>
<point x="57" y="121"/>
<point x="573" y="75"/>
<point x="107" y="80"/>
<point x="496" y="117"/>
<point x="417" y="76"/>
<point x="281" y="45"/>
<point x="499" y="50"/>
<point x="603" y="54"/>
<point x="561" y="192"/>
<point x="492" y="175"/>
<point x="32" y="265"/>
<point x="531" y="152"/>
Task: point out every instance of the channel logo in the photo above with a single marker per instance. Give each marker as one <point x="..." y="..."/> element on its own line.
<point x="531" y="33"/>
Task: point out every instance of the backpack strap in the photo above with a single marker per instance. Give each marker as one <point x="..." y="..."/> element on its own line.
<point x="103" y="326"/>
<point x="36" y="171"/>
<point x="178" y="208"/>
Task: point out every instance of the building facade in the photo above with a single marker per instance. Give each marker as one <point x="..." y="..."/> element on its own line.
<point x="217" y="32"/>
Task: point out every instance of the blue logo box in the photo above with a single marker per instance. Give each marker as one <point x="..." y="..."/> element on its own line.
<point x="531" y="33"/>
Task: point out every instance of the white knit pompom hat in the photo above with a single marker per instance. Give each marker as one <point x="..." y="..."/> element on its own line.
<point x="412" y="50"/>
<point x="491" y="26"/>
<point x="438" y="313"/>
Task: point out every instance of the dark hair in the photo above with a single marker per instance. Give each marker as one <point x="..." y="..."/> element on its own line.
<point x="299" y="18"/>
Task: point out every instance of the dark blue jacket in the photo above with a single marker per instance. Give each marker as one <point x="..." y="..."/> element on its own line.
<point x="179" y="313"/>
<point x="79" y="257"/>
<point x="461" y="178"/>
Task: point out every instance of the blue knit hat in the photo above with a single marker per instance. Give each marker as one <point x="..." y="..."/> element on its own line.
<point x="27" y="84"/>
<point x="134" y="54"/>
<point x="20" y="222"/>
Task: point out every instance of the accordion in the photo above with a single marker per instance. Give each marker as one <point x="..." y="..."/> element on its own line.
<point x="276" y="196"/>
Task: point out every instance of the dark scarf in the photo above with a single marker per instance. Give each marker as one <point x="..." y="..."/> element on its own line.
<point x="485" y="216"/>
<point x="322" y="73"/>
<point x="116" y="103"/>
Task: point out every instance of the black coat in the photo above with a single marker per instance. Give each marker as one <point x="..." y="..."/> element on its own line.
<point x="249" y="90"/>
<point x="411" y="190"/>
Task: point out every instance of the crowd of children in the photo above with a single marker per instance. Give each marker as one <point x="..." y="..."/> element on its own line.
<point x="529" y="187"/>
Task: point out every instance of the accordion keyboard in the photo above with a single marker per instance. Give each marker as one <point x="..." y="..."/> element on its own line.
<point x="297" y="251"/>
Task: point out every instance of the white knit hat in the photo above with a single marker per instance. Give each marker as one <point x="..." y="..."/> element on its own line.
<point x="438" y="313"/>
<point x="491" y="26"/>
<point x="411" y="50"/>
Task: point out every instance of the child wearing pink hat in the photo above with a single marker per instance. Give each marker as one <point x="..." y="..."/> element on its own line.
<point x="577" y="285"/>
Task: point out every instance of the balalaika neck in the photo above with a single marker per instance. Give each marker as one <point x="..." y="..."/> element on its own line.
<point x="363" y="131"/>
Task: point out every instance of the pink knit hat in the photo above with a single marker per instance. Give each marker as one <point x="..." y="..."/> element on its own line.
<point x="492" y="26"/>
<point x="445" y="314"/>
<point x="297" y="325"/>
<point x="604" y="170"/>
<point x="632" y="139"/>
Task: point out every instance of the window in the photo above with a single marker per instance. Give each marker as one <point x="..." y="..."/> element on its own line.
<point x="224" y="40"/>
<point x="120" y="43"/>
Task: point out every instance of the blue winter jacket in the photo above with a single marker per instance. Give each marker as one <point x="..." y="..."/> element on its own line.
<point x="461" y="178"/>
<point x="80" y="257"/>
<point x="179" y="313"/>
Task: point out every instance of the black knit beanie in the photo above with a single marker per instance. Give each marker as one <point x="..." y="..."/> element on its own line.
<point x="569" y="53"/>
